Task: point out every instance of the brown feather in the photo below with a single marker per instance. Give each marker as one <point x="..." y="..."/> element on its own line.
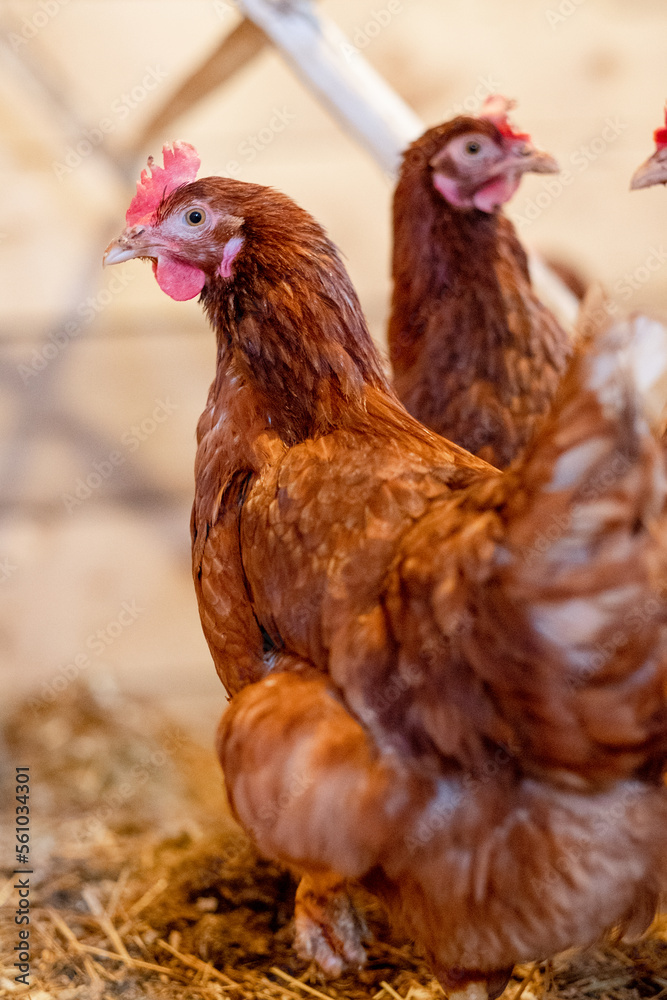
<point x="475" y="355"/>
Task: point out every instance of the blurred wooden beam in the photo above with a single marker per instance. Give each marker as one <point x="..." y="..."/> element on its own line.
<point x="331" y="68"/>
<point x="363" y="102"/>
<point x="338" y="75"/>
<point x="43" y="80"/>
<point x="235" y="51"/>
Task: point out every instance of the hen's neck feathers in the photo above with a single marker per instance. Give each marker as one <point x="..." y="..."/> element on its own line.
<point x="295" y="360"/>
<point x="443" y="252"/>
<point x="291" y="326"/>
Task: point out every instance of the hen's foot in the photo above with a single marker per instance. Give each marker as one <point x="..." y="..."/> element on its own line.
<point x="457" y="986"/>
<point x="329" y="930"/>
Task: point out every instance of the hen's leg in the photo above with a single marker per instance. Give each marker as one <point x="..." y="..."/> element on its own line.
<point x="329" y="929"/>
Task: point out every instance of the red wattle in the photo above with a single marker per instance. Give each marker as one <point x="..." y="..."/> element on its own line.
<point x="491" y="196"/>
<point x="180" y="281"/>
<point x="487" y="198"/>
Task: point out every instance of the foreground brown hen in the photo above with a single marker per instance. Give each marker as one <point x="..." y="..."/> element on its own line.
<point x="447" y="683"/>
<point x="475" y="355"/>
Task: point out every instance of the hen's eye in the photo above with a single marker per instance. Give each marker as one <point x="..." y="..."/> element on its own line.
<point x="473" y="147"/>
<point x="195" y="216"/>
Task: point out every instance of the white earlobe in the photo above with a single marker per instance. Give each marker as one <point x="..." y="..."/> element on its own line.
<point x="232" y="248"/>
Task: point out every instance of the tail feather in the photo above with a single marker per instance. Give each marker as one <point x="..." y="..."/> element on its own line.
<point x="646" y="353"/>
<point x="583" y="565"/>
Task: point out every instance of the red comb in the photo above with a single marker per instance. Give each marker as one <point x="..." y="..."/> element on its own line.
<point x="181" y="164"/>
<point x="496" y="108"/>
<point x="660" y="134"/>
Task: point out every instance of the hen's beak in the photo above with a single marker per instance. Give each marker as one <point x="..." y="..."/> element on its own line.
<point x="527" y="158"/>
<point x="653" y="171"/>
<point x="134" y="242"/>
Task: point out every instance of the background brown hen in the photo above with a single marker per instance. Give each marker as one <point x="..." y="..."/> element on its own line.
<point x="475" y="355"/>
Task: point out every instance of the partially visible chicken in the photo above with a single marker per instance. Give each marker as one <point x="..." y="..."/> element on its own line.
<point x="448" y="683"/>
<point x="654" y="170"/>
<point x="475" y="355"/>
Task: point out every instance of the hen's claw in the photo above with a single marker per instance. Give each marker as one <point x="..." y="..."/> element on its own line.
<point x="329" y="929"/>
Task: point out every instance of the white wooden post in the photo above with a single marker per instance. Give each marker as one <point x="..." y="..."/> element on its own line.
<point x="364" y="103"/>
<point x="332" y="68"/>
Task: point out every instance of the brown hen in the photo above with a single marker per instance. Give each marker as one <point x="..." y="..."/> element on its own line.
<point x="448" y="683"/>
<point x="475" y="355"/>
<point x="654" y="169"/>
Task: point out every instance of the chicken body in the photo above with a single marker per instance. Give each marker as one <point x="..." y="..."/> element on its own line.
<point x="432" y="693"/>
<point x="475" y="355"/>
